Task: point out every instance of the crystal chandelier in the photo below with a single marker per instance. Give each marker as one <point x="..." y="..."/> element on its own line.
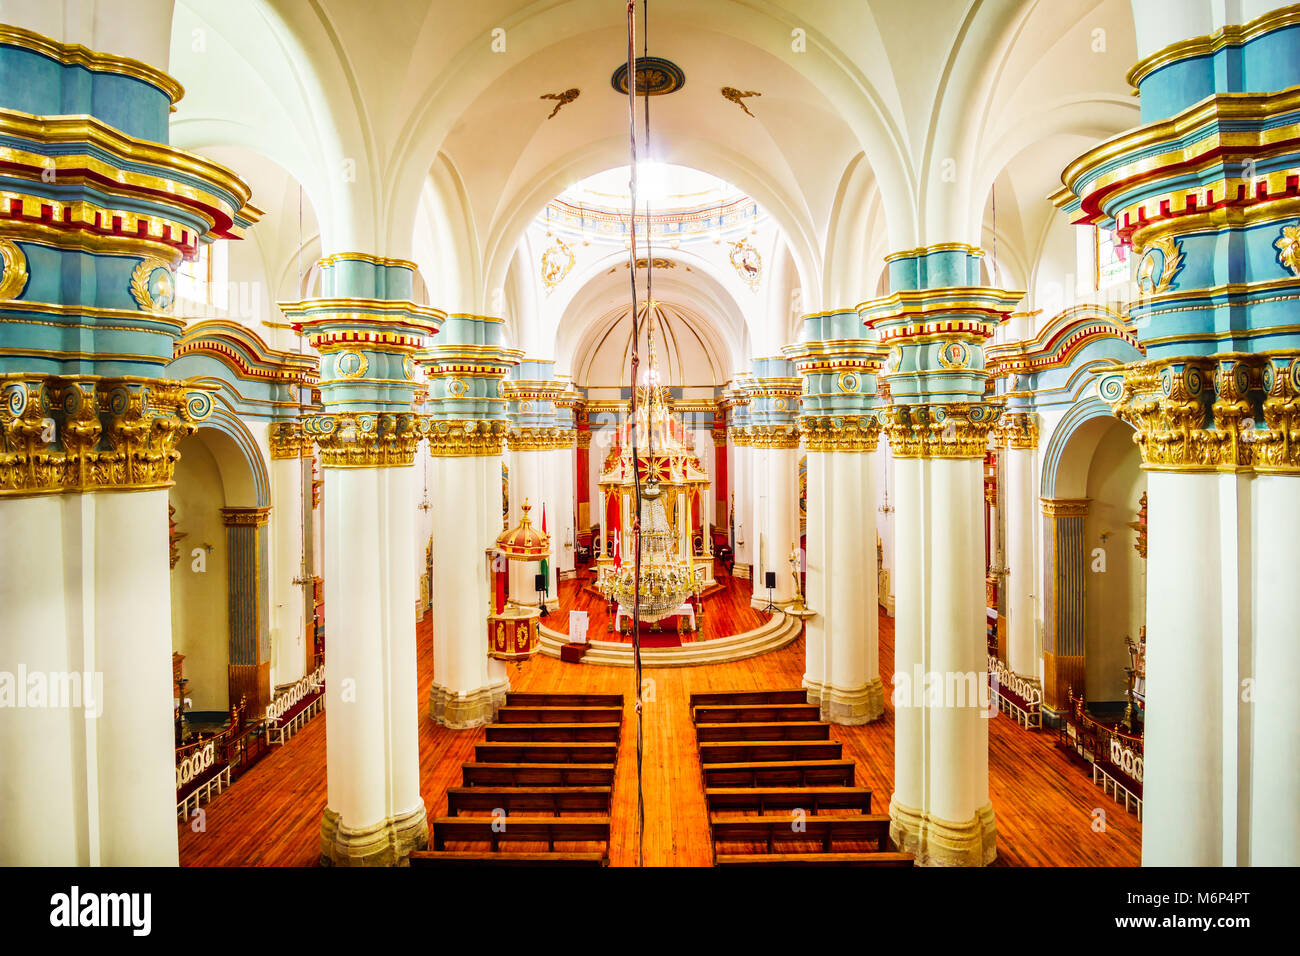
<point x="667" y="579"/>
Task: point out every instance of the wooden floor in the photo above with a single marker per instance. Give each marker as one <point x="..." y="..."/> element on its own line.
<point x="1044" y="805"/>
<point x="726" y="611"/>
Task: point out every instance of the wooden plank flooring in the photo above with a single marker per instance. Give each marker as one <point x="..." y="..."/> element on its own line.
<point x="271" y="816"/>
<point x="726" y="612"/>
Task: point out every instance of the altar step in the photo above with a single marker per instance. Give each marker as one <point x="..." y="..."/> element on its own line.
<point x="778" y="789"/>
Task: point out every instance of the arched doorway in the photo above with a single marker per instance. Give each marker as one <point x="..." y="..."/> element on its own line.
<point x="1095" y="570"/>
<point x="219" y="573"/>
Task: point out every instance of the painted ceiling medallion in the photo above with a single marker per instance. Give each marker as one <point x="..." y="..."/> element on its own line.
<point x="1288" y="248"/>
<point x="152" y="286"/>
<point x="954" y="355"/>
<point x="1160" y="263"/>
<point x="351" y="365"/>
<point x="557" y="260"/>
<point x="655" y="76"/>
<point x="747" y="261"/>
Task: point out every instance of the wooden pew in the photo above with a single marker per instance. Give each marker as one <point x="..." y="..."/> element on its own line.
<point x="554" y="732"/>
<point x="557" y="800"/>
<point x="495" y="751"/>
<point x="815" y="859"/>
<point x="780" y="828"/>
<point x="560" y="715"/>
<point x="762" y="750"/>
<point x="431" y="858"/>
<point x="723" y="713"/>
<point x="538" y="774"/>
<point x="789" y="773"/>
<point x="514" y="699"/>
<point x="548" y="830"/>
<point x="736" y="698"/>
<point x="780" y="730"/>
<point x="762" y="800"/>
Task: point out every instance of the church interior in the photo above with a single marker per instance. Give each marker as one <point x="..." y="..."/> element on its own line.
<point x="428" y="429"/>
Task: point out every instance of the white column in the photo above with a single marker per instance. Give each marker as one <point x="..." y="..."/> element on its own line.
<point x="777" y="497"/>
<point x="288" y="600"/>
<point x="374" y="813"/>
<point x="560" y="489"/>
<point x="940" y="809"/>
<point x="1184" y="771"/>
<point x="742" y="483"/>
<point x="1275" y="714"/>
<point x="1020" y="498"/>
<point x="842" y="644"/>
<point x="467" y="686"/>
<point x="92" y="780"/>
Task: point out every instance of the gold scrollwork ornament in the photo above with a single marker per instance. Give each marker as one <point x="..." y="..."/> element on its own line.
<point x="13" y="269"/>
<point x="1288" y="249"/>
<point x="351" y="365"/>
<point x="1165" y="252"/>
<point x="152" y="286"/>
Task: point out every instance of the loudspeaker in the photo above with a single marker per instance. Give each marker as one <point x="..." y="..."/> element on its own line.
<point x="769" y="580"/>
<point x="539" y="582"/>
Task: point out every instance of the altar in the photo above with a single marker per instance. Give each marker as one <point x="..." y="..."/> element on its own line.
<point x="686" y="610"/>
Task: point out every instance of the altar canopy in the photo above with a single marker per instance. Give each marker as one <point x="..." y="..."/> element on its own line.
<point x="665" y="455"/>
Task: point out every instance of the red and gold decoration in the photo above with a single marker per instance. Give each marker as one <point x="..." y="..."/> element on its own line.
<point x="512" y="628"/>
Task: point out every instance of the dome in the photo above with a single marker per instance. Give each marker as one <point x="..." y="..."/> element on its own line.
<point x="524" y="542"/>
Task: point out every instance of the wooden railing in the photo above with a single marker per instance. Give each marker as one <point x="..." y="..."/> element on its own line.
<point x="1021" y="699"/>
<point x="1116" y="757"/>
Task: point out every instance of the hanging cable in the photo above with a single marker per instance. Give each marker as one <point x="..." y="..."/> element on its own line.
<point x="636" y="471"/>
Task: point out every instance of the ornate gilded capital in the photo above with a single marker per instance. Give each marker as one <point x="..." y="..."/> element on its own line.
<point x="366" y="439"/>
<point x="466" y="439"/>
<point x="1065" y="507"/>
<point x="954" y="430"/>
<point x="1017" y="430"/>
<point x="245" y="517"/>
<point x="287" y="440"/>
<point x="1231" y="412"/>
<point x="767" y="436"/>
<point x="65" y="435"/>
<point x="583" y="438"/>
<point x="540" y="439"/>
<point x="848" y="433"/>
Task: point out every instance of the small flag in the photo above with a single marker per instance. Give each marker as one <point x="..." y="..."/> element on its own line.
<point x="618" y="553"/>
<point x="546" y="565"/>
